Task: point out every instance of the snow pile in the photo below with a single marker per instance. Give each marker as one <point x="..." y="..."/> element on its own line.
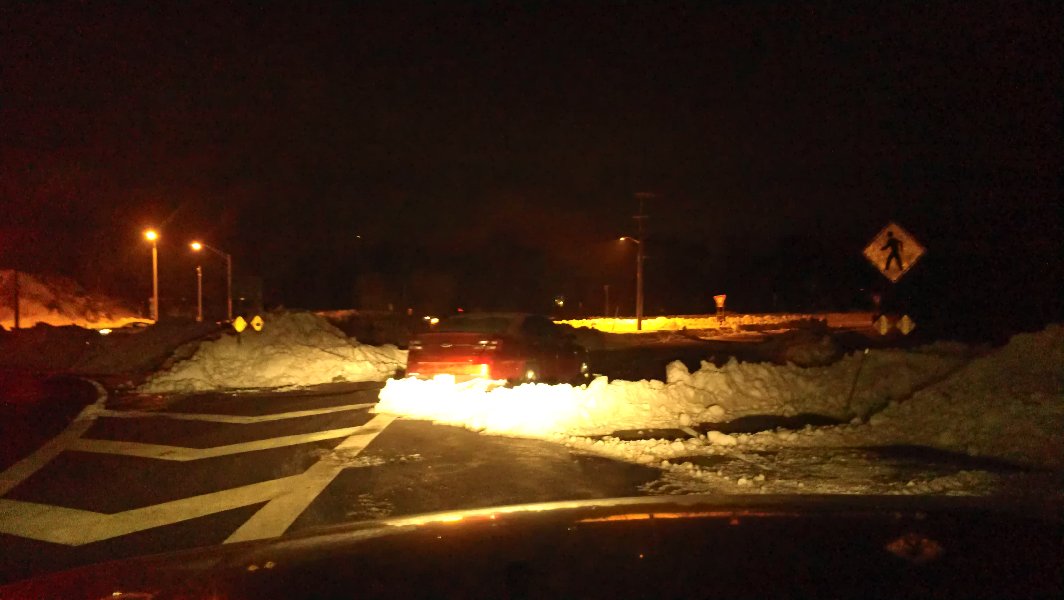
<point x="1008" y="404"/>
<point x="708" y="395"/>
<point x="742" y="389"/>
<point x="58" y="301"/>
<point x="294" y="349"/>
<point x="676" y="323"/>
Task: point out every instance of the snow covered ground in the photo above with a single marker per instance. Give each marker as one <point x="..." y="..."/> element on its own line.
<point x="1007" y="405"/>
<point x="59" y="301"/>
<point x="294" y="349"/>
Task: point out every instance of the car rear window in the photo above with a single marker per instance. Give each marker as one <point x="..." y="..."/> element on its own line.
<point x="476" y="324"/>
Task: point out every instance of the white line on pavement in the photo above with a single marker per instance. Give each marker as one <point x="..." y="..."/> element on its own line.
<point x="180" y="453"/>
<point x="235" y="419"/>
<point x="287" y="498"/>
<point x="75" y="527"/>
<point x="278" y="515"/>
<point x="18" y="472"/>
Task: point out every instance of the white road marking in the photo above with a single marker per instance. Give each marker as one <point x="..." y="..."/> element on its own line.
<point x="18" y="472"/>
<point x="287" y="498"/>
<point x="180" y="453"/>
<point x="235" y="419"/>
<point x="278" y="515"/>
<point x="73" y="527"/>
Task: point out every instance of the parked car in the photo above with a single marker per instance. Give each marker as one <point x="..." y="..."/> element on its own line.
<point x="516" y="347"/>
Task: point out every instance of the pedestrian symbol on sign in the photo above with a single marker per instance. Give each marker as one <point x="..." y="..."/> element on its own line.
<point x="894" y="244"/>
<point x="893" y="251"/>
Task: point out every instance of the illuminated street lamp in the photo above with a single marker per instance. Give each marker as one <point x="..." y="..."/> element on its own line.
<point x="152" y="236"/>
<point x="638" y="280"/>
<point x="197" y="246"/>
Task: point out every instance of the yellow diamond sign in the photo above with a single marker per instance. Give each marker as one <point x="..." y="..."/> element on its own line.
<point x="906" y="325"/>
<point x="893" y="251"/>
<point x="882" y="325"/>
<point x="257" y="323"/>
<point x="239" y="324"/>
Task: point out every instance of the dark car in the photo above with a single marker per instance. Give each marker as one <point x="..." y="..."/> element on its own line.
<point x="517" y="347"/>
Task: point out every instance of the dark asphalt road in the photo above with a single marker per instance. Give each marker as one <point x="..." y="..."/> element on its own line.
<point x="152" y="474"/>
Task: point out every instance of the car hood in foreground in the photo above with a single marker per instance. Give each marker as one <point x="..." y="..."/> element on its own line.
<point x="675" y="547"/>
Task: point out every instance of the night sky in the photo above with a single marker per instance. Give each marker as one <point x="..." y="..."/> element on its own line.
<point x="486" y="155"/>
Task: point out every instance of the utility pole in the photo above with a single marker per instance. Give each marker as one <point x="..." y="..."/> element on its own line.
<point x="14" y="274"/>
<point x="606" y="288"/>
<point x="229" y="286"/>
<point x="640" y="220"/>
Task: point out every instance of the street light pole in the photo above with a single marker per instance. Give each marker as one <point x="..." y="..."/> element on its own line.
<point x="639" y="284"/>
<point x="229" y="287"/>
<point x="638" y="280"/>
<point x="153" y="237"/>
<point x="640" y="220"/>
<point x="199" y="294"/>
<point x="197" y="246"/>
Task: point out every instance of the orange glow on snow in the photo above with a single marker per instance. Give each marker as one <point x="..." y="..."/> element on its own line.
<point x="531" y="409"/>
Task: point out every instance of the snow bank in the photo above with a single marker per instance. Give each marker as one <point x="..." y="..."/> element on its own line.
<point x="1008" y="404"/>
<point x="58" y="301"/>
<point x="708" y="395"/>
<point x="676" y="323"/>
<point x="293" y="349"/>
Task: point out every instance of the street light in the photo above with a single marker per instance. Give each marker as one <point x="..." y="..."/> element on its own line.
<point x="197" y="246"/>
<point x="152" y="236"/>
<point x="638" y="280"/>
<point x="199" y="294"/>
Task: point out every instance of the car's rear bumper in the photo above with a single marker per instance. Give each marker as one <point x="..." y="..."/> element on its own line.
<point x="466" y="370"/>
<point x="458" y="369"/>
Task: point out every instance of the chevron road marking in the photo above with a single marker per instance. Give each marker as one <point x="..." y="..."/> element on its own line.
<point x="278" y="515"/>
<point x="74" y="527"/>
<point x="181" y="453"/>
<point x="20" y="471"/>
<point x="235" y="419"/>
<point x="288" y="497"/>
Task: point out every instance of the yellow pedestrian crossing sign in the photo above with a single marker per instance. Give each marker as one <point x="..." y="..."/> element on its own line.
<point x="239" y="324"/>
<point x="893" y="251"/>
<point x="257" y="323"/>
